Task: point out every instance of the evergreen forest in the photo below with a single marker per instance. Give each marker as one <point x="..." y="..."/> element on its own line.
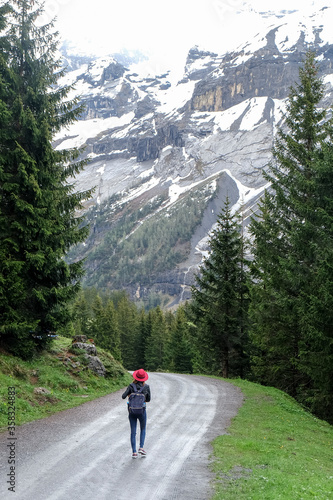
<point x="261" y="308"/>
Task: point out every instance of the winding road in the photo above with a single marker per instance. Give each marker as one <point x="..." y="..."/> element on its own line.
<point x="85" y="452"/>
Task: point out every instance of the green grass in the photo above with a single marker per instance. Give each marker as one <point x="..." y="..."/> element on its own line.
<point x="54" y="370"/>
<point x="274" y="450"/>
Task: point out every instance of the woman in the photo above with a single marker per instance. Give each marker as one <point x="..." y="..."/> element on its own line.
<point x="140" y="377"/>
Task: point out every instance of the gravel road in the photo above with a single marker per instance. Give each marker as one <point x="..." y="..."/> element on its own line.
<point x="85" y="452"/>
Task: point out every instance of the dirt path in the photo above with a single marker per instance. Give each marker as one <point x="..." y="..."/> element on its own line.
<point x="85" y="452"/>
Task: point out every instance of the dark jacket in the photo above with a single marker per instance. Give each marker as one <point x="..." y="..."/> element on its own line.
<point x="146" y="390"/>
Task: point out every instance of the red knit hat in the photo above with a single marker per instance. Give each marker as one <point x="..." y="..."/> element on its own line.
<point x="140" y="375"/>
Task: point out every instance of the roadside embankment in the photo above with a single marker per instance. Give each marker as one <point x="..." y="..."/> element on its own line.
<point x="56" y="380"/>
<point x="274" y="449"/>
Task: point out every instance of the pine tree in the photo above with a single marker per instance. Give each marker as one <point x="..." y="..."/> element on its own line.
<point x="105" y="327"/>
<point x="144" y="331"/>
<point x="292" y="296"/>
<point x="157" y="340"/>
<point x="128" y="325"/>
<point x="316" y="304"/>
<point x="180" y="348"/>
<point x="38" y="222"/>
<point x="113" y="339"/>
<point x="220" y="299"/>
<point x="81" y="316"/>
<point x="274" y="328"/>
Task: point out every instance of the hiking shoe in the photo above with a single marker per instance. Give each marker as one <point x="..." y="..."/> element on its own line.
<point x="134" y="455"/>
<point x="142" y="452"/>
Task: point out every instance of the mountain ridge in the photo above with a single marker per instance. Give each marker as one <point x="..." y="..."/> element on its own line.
<point x="151" y="143"/>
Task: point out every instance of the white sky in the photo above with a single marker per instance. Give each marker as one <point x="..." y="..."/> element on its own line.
<point x="164" y="28"/>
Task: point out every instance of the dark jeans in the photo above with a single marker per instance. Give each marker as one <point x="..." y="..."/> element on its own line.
<point x="133" y="419"/>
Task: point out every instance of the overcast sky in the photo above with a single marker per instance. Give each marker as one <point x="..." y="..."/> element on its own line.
<point x="166" y="27"/>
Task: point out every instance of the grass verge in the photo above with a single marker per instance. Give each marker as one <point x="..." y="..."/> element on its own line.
<point x="63" y="374"/>
<point x="274" y="450"/>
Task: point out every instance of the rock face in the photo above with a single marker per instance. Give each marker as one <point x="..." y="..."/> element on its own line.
<point x="41" y="390"/>
<point x="200" y="63"/>
<point x="96" y="365"/>
<point x="147" y="138"/>
<point x="89" y="348"/>
<point x="267" y="72"/>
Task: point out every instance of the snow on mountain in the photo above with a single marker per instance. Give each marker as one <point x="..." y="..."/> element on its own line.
<point x="151" y="135"/>
<point x="78" y="133"/>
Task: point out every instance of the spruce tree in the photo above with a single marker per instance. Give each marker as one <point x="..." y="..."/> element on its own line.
<point x="144" y="332"/>
<point x="156" y="346"/>
<point x="180" y="347"/>
<point x="292" y="293"/>
<point x="111" y="325"/>
<point x="220" y="298"/>
<point x="81" y="316"/>
<point x="274" y="329"/>
<point x="128" y="326"/>
<point x="38" y="204"/>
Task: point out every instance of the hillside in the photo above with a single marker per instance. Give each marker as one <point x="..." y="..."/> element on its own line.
<point x="274" y="449"/>
<point x="64" y="375"/>
<point x="164" y="153"/>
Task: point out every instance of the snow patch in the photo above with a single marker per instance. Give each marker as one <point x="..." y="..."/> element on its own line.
<point x="252" y="109"/>
<point x="147" y="173"/>
<point x="225" y="119"/>
<point x="328" y="80"/>
<point x="96" y="69"/>
<point x="255" y="113"/>
<point x="246" y="193"/>
<point x="175" y="97"/>
<point x="76" y="134"/>
<point x="70" y="77"/>
<point x="101" y="170"/>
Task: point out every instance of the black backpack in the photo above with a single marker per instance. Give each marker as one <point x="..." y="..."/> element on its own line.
<point x="136" y="401"/>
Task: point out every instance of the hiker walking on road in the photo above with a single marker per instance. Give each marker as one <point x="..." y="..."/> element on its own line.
<point x="138" y="393"/>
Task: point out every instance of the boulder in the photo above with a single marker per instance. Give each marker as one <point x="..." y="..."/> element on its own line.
<point x="41" y="390"/>
<point x="89" y="348"/>
<point x="96" y="365"/>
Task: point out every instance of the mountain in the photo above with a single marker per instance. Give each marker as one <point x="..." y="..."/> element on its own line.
<point x="164" y="154"/>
